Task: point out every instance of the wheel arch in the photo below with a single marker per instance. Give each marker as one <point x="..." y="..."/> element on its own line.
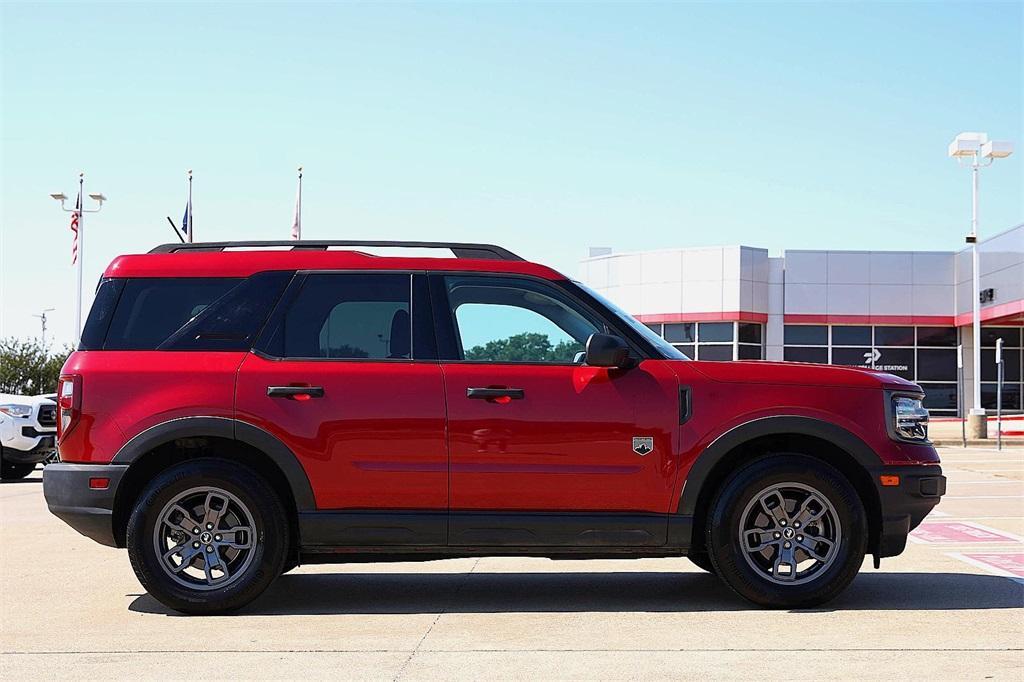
<point x="178" y="440"/>
<point x="816" y="438"/>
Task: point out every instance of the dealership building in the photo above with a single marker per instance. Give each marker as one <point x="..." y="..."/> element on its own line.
<point x="903" y="312"/>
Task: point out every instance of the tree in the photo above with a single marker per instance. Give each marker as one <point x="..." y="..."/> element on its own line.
<point x="27" y="368"/>
<point x="525" y="347"/>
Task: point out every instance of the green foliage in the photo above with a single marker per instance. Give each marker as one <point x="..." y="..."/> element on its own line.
<point x="27" y="368"/>
<point x="526" y="347"/>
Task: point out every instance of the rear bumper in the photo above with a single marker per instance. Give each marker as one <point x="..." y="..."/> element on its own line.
<point x="904" y="506"/>
<point x="90" y="511"/>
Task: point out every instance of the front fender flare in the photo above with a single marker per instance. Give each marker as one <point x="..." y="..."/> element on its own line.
<point x="768" y="426"/>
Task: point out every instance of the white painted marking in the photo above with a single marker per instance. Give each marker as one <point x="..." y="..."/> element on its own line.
<point x="988" y="568"/>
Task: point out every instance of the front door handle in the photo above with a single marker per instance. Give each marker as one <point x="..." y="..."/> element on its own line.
<point x="295" y="392"/>
<point x="501" y="395"/>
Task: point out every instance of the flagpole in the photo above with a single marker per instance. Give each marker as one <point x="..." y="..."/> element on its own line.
<point x="79" y="258"/>
<point x="78" y="221"/>
<point x="297" y="223"/>
<point x="191" y="223"/>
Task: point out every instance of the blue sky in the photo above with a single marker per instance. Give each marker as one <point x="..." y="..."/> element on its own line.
<point x="546" y="128"/>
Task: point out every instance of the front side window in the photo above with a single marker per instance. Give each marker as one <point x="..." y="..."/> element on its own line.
<point x="506" y="319"/>
<point x="348" y="316"/>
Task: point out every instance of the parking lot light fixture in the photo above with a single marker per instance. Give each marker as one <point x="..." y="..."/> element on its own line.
<point x="970" y="149"/>
<point x="78" y="258"/>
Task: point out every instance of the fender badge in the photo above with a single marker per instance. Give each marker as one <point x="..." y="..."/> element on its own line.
<point x="643" y="444"/>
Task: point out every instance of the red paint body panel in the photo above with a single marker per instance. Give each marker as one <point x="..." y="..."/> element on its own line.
<point x="245" y="263"/>
<point x="376" y="439"/>
<point x="126" y="392"/>
<point x="567" y="444"/>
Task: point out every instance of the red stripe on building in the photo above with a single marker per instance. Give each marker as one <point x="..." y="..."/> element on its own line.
<point x="909" y="320"/>
<point x="728" y="316"/>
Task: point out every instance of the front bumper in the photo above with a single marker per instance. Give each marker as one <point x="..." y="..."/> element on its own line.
<point x="904" y="506"/>
<point x="39" y="447"/>
<point x="90" y="511"/>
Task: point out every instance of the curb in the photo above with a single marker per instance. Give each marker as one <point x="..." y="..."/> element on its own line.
<point x="986" y="443"/>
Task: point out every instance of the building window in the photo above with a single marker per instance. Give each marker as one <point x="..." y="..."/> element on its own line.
<point x="714" y="340"/>
<point x="926" y="355"/>
<point x="1013" y="361"/>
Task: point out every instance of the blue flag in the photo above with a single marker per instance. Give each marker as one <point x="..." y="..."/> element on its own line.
<point x="186" y="220"/>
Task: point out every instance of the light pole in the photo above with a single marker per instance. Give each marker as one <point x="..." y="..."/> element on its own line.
<point x="42" y="321"/>
<point x="79" y="210"/>
<point x="976" y="151"/>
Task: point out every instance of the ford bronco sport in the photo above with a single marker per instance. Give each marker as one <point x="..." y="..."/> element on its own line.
<point x="235" y="410"/>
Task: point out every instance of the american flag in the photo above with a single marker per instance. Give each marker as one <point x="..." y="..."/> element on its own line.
<point x="74" y="228"/>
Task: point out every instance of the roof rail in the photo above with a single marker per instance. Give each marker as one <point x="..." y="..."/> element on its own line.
<point x="481" y="251"/>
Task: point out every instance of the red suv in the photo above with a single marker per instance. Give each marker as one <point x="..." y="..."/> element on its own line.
<point x="235" y="410"/>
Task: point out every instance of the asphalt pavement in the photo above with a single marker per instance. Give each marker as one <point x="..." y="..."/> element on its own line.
<point x="952" y="606"/>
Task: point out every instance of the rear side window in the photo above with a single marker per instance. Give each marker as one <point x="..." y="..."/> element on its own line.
<point x="348" y="316"/>
<point x="186" y="313"/>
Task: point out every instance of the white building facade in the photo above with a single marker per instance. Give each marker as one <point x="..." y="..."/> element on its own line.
<point x="901" y="311"/>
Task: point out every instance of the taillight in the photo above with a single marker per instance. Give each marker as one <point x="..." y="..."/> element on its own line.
<point x="69" y="402"/>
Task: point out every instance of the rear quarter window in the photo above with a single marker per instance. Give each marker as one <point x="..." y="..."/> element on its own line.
<point x="187" y="313"/>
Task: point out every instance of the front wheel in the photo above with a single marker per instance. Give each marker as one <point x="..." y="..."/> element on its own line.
<point x="207" y="536"/>
<point x="787" y="531"/>
<point x="12" y="471"/>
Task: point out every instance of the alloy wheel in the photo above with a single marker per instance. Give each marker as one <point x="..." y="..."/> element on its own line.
<point x="790" y="533"/>
<point x="205" y="538"/>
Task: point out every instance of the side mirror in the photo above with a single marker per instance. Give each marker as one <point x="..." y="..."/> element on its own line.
<point x="605" y="350"/>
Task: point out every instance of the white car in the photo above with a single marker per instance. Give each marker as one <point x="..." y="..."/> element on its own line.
<point x="28" y="431"/>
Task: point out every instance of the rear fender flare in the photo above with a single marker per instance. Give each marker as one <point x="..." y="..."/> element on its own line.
<point x="224" y="427"/>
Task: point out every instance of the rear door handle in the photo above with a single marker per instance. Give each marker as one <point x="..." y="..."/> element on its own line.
<point x="296" y="392"/>
<point x="496" y="393"/>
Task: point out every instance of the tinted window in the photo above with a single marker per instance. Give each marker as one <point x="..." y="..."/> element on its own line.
<point x="151" y="309"/>
<point x="102" y="311"/>
<point x="1011" y="396"/>
<point x="506" y="319"/>
<point x="851" y="336"/>
<point x="856" y="357"/>
<point x="898" y="361"/>
<point x="805" y="335"/>
<point x="232" y="322"/>
<point x="819" y="355"/>
<point x="714" y="331"/>
<point x="940" y="396"/>
<point x="680" y="333"/>
<point x="749" y="333"/>
<point x="1010" y="336"/>
<point x="714" y="352"/>
<point x="749" y="352"/>
<point x="936" y="336"/>
<point x="1011" y="364"/>
<point x="343" y="316"/>
<point x="936" y="364"/>
<point x="894" y="336"/>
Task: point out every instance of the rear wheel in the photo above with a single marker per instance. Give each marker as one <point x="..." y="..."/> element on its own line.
<point x="787" y="531"/>
<point x="207" y="536"/>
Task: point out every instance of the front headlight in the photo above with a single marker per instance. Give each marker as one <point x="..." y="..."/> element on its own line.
<point x="16" y="410"/>
<point x="910" y="419"/>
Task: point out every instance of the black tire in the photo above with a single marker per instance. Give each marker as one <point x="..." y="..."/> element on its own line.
<point x="702" y="561"/>
<point x="739" y="569"/>
<point x="269" y="538"/>
<point x="13" y="471"/>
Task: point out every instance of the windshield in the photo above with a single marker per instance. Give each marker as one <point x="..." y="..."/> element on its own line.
<point x="669" y="351"/>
